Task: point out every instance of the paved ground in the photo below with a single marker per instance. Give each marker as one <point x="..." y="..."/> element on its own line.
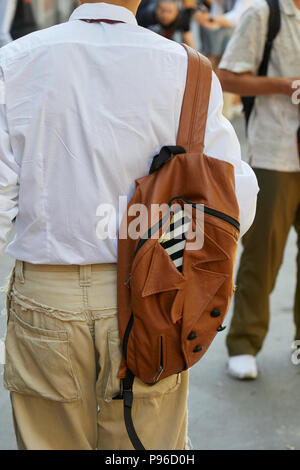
<point x="224" y="413"/>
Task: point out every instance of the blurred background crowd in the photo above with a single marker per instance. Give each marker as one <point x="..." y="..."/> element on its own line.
<point x="206" y="25"/>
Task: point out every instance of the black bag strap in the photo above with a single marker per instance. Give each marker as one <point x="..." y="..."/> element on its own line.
<point x="273" y="30"/>
<point x="128" y="401"/>
<point x="274" y="25"/>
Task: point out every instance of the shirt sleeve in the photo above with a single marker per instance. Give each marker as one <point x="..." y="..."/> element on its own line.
<point x="221" y="142"/>
<point x="245" y="49"/>
<point x="233" y="16"/>
<point x="9" y="171"/>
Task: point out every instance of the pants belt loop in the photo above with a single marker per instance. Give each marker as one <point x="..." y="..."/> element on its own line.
<point x="19" y="271"/>
<point x="85" y="275"/>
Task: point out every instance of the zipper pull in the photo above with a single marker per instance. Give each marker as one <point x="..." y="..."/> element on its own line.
<point x="127" y="283"/>
<point x="160" y="371"/>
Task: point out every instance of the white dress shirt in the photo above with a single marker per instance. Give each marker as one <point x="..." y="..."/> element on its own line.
<point x="84" y="108"/>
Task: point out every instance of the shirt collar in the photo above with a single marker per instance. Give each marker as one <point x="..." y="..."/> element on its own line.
<point x="95" y="11"/>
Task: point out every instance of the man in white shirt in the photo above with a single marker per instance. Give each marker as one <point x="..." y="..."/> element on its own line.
<point x="274" y="154"/>
<point x="85" y="106"/>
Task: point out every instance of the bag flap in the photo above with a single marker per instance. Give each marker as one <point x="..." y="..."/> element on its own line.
<point x="163" y="275"/>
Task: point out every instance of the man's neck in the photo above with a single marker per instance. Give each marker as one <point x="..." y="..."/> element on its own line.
<point x="297" y="4"/>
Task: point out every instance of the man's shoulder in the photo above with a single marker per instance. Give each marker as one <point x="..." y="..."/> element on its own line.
<point x="29" y="43"/>
<point x="245" y="49"/>
<point x="259" y="8"/>
<point x="159" y="43"/>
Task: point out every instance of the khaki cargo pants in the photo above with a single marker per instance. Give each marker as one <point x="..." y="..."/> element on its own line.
<point x="62" y="358"/>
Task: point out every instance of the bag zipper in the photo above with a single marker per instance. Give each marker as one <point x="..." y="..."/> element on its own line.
<point x="207" y="210"/>
<point x="125" y="345"/>
<point x="161" y="368"/>
<point x="150" y="232"/>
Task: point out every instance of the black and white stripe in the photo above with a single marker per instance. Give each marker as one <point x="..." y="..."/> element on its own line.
<point x="174" y="238"/>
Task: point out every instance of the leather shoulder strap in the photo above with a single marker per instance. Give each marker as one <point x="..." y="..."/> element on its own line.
<point x="195" y="103"/>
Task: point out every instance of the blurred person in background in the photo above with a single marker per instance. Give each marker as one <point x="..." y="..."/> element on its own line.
<point x="214" y="38"/>
<point x="217" y="26"/>
<point x="166" y="17"/>
<point x="24" y="20"/>
<point x="273" y="153"/>
<point x="219" y="18"/>
<point x="7" y="13"/>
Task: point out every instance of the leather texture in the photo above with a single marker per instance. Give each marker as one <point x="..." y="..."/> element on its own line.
<point x="174" y="316"/>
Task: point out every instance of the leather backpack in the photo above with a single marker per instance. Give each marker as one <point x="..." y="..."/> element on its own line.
<point x="172" y="300"/>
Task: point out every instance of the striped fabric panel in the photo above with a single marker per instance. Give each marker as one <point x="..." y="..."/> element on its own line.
<point x="174" y="238"/>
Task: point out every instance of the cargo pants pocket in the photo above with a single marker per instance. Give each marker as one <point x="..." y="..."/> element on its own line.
<point x="114" y="357"/>
<point x="110" y="387"/>
<point x="168" y="385"/>
<point x="38" y="362"/>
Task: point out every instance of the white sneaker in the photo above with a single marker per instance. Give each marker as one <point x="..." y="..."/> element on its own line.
<point x="242" y="367"/>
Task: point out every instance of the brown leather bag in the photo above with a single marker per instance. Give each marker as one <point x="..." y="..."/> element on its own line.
<point x="167" y="318"/>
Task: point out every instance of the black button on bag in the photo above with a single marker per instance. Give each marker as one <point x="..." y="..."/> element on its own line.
<point x="198" y="349"/>
<point x="192" y="336"/>
<point x="215" y="313"/>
